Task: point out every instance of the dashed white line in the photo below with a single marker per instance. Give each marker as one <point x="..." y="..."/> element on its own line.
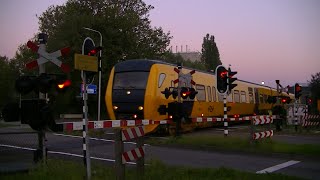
<point x="277" y="167"/>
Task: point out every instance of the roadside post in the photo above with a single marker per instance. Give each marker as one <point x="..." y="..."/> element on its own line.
<point x="87" y="64"/>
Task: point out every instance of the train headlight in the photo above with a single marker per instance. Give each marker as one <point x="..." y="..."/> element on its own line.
<point x="128" y="92"/>
<point x="140" y="108"/>
<point x="115" y="107"/>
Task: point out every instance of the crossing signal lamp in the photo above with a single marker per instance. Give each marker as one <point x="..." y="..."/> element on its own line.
<point x="188" y="92"/>
<point x="62" y="83"/>
<point x="297" y="91"/>
<point x="25" y="84"/>
<point x="231" y="79"/>
<point x="167" y="93"/>
<point x="94" y="51"/>
<point x="42" y="83"/>
<point x="222" y="79"/>
<point x="285" y="100"/>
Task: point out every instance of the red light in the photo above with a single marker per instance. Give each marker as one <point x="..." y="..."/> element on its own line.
<point x="92" y="52"/>
<point x="64" y="84"/>
<point x="184" y="94"/>
<point x="223" y="74"/>
<point x="283" y="100"/>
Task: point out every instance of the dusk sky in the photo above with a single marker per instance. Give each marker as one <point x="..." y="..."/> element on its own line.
<point x="263" y="40"/>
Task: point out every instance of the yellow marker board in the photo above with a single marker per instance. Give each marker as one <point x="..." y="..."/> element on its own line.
<point x="86" y="63"/>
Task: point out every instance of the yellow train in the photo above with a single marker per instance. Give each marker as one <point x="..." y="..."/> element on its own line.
<point x="135" y="86"/>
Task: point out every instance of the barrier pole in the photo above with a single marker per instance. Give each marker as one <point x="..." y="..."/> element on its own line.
<point x="119" y="167"/>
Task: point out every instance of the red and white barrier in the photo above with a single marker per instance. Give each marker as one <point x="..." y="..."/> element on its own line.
<point x="132" y="133"/>
<point x="311" y="116"/>
<point x="133" y="154"/>
<point x="71" y="126"/>
<point x="310" y="123"/>
<point x="264" y="134"/>
<point x="263" y="118"/>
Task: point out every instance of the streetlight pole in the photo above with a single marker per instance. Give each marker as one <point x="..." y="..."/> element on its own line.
<point x="99" y="91"/>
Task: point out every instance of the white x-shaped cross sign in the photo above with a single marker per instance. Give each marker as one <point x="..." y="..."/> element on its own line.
<point x="45" y="57"/>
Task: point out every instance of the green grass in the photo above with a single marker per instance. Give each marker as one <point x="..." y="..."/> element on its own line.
<point x="69" y="170"/>
<point x="212" y="142"/>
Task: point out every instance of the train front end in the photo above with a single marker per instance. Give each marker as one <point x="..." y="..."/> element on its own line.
<point x="126" y="90"/>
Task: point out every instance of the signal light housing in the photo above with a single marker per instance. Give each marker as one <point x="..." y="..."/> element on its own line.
<point x="231" y="79"/>
<point x="43" y="83"/>
<point x="222" y="79"/>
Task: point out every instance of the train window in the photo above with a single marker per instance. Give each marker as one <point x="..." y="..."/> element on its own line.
<point x="236" y="96"/>
<point x="201" y="96"/>
<point x="214" y="94"/>
<point x="162" y="76"/>
<point x="250" y="90"/>
<point x="209" y="93"/>
<point x="130" y="80"/>
<point x="261" y="98"/>
<point x="243" y="97"/>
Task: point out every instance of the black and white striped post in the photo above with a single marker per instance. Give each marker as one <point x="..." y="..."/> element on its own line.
<point x="87" y="44"/>
<point x="225" y="115"/>
<point x="295" y="109"/>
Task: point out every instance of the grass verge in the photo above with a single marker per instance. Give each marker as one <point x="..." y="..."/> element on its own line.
<point x="206" y="142"/>
<point x="70" y="170"/>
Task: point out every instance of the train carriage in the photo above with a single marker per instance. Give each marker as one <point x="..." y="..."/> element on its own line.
<point x="134" y="92"/>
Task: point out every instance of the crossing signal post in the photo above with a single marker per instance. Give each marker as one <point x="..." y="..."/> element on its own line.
<point x="184" y="90"/>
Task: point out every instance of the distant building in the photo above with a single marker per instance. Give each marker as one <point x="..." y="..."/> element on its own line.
<point x="192" y="56"/>
<point x="187" y="54"/>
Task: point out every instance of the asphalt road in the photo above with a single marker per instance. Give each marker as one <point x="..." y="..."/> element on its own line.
<point x="104" y="151"/>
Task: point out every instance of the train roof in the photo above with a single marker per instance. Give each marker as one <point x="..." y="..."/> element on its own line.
<point x="145" y="65"/>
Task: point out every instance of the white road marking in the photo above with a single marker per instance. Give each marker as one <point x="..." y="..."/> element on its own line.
<point x="97" y="139"/>
<point x="277" y="167"/>
<point x="62" y="153"/>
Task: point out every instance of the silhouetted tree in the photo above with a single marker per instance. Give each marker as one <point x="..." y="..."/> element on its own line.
<point x="315" y="90"/>
<point x="210" y="53"/>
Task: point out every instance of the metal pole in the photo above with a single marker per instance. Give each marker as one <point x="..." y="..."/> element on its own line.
<point x="86" y="154"/>
<point x="178" y="123"/>
<point x="42" y="38"/>
<point x="99" y="90"/>
<point x="295" y="111"/>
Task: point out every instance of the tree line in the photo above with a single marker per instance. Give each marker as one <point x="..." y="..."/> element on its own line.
<point x="127" y="34"/>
